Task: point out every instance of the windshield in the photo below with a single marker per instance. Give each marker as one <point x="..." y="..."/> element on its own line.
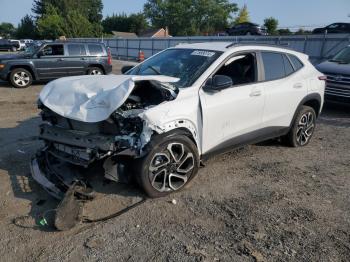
<point x="186" y="64"/>
<point x="343" y="56"/>
<point x="31" y="50"/>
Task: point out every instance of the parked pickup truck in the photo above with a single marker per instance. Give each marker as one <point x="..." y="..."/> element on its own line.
<point x="55" y="60"/>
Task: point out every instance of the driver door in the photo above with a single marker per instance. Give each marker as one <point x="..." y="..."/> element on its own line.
<point x="50" y="63"/>
<point x="233" y="116"/>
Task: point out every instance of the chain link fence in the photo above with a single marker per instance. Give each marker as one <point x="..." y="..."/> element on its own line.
<point x="318" y="47"/>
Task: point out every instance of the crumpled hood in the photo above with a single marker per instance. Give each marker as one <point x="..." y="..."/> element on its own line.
<point x="92" y="98"/>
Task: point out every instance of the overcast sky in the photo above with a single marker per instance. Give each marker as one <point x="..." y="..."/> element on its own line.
<point x="290" y="13"/>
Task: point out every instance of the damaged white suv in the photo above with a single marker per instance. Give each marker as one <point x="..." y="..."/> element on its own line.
<point x="159" y="120"/>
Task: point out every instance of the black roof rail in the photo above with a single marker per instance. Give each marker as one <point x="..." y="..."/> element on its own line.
<point x="259" y="44"/>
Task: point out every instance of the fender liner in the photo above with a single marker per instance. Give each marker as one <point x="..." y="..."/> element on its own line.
<point x="309" y="97"/>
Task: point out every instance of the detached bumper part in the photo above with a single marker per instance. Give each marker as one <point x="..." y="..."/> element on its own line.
<point x="57" y="176"/>
<point x="40" y="178"/>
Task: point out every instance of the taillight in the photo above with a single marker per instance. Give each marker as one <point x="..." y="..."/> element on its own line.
<point x="109" y="57"/>
<point x="323" y="78"/>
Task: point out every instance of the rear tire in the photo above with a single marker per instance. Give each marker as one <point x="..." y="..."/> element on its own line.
<point x="303" y="128"/>
<point x="171" y="163"/>
<point x="21" y="78"/>
<point x="95" y="71"/>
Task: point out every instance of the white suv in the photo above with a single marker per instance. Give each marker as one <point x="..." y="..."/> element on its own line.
<point x="160" y="119"/>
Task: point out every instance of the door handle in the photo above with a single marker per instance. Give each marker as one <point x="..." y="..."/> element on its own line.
<point x="298" y="85"/>
<point x="255" y="93"/>
<point x="60" y="59"/>
<point x="83" y="58"/>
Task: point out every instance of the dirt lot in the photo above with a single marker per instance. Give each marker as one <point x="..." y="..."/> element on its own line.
<point x="264" y="202"/>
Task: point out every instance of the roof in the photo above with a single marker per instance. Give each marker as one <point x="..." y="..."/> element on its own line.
<point x="229" y="46"/>
<point x="124" y="34"/>
<point x="150" y="32"/>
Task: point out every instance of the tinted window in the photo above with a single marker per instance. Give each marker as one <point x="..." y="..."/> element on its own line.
<point x="296" y="62"/>
<point x="273" y="65"/>
<point x="76" y="49"/>
<point x="53" y="50"/>
<point x="287" y="65"/>
<point x="95" y="49"/>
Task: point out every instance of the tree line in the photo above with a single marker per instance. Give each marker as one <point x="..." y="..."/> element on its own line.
<point x="71" y="18"/>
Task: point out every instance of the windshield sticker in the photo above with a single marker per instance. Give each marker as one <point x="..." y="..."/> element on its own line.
<point x="203" y="53"/>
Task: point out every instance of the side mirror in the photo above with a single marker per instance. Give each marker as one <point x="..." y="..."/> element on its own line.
<point x="218" y="83"/>
<point x="40" y="54"/>
<point x="126" y="68"/>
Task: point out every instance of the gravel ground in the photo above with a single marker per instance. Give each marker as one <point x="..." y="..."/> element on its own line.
<point x="264" y="202"/>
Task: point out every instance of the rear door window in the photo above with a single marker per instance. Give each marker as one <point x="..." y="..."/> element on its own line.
<point x="76" y="49"/>
<point x="95" y="49"/>
<point x="273" y="65"/>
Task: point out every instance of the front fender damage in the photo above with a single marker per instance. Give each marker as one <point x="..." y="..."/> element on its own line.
<point x="82" y="147"/>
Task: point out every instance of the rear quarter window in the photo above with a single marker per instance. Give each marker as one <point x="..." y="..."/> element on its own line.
<point x="95" y="49"/>
<point x="296" y="62"/>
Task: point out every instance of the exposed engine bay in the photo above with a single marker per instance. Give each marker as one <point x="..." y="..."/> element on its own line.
<point x="72" y="145"/>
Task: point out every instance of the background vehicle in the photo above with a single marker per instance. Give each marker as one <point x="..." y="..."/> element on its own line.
<point x="19" y="45"/>
<point x="337" y="71"/>
<point x="336" y="28"/>
<point x="6" y="45"/>
<point x="181" y="106"/>
<point x="54" y="60"/>
<point x="246" y="29"/>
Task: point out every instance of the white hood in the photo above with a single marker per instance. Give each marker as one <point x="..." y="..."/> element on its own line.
<point x="92" y="98"/>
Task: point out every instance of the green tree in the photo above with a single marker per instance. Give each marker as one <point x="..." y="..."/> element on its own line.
<point x="77" y="25"/>
<point x="7" y="30"/>
<point x="271" y="25"/>
<point x="284" y="32"/>
<point x="91" y="9"/>
<point x="302" y="31"/>
<point x="190" y="17"/>
<point x="26" y="28"/>
<point x="134" y="23"/>
<point x="51" y="25"/>
<point x="243" y="16"/>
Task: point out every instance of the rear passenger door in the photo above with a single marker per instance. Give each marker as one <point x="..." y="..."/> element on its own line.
<point x="285" y="87"/>
<point x="76" y="61"/>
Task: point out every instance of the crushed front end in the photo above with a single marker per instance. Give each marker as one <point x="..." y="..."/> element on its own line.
<point x="74" y="149"/>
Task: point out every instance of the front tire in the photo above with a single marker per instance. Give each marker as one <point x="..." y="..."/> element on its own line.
<point x="172" y="162"/>
<point x="21" y="78"/>
<point x="303" y="127"/>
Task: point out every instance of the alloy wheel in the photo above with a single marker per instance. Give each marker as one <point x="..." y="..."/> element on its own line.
<point x="95" y="72"/>
<point x="170" y="169"/>
<point x="305" y="128"/>
<point x="21" y="79"/>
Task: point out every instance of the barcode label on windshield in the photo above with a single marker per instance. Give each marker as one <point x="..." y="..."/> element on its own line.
<point x="203" y="53"/>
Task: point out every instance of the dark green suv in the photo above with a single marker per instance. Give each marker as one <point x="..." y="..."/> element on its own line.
<point x="55" y="60"/>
